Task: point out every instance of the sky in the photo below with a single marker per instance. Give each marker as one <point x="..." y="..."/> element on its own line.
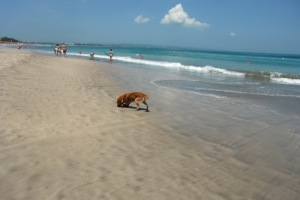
<point x="267" y="26"/>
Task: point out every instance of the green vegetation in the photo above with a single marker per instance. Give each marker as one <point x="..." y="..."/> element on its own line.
<point x="6" y="39"/>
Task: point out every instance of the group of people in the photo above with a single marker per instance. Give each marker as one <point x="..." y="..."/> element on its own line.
<point x="58" y="50"/>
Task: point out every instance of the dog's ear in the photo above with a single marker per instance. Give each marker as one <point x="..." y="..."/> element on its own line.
<point x="125" y="96"/>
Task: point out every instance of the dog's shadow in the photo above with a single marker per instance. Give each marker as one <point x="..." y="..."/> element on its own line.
<point x="132" y="107"/>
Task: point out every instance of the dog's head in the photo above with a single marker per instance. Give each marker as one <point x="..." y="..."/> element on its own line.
<point x="120" y="101"/>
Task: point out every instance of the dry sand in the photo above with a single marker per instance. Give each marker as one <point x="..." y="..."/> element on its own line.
<point x="62" y="137"/>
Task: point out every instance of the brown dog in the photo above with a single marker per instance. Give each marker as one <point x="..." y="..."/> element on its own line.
<point x="137" y="97"/>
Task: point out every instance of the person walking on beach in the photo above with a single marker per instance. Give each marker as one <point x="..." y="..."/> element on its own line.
<point x="64" y="48"/>
<point x="111" y="54"/>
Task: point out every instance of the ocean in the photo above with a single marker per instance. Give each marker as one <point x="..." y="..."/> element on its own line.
<point x="271" y="80"/>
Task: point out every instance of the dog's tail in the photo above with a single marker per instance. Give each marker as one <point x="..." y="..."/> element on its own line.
<point x="147" y="96"/>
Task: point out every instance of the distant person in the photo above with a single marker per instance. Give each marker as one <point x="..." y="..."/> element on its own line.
<point x="57" y="50"/>
<point x="92" y="56"/>
<point x="140" y="56"/>
<point x="79" y="51"/>
<point x="111" y="53"/>
<point x="64" y="48"/>
<point x="20" y="46"/>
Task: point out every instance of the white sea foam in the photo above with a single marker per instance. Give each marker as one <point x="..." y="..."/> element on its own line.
<point x="41" y="45"/>
<point x="179" y="66"/>
<point x="286" y="81"/>
<point x="276" y="74"/>
<point x="219" y="70"/>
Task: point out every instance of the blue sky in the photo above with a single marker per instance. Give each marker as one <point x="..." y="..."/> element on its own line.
<point x="271" y="26"/>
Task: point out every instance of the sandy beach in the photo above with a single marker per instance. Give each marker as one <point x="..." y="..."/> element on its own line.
<point x="63" y="137"/>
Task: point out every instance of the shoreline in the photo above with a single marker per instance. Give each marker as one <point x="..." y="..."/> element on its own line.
<point x="160" y="46"/>
<point x="63" y="137"/>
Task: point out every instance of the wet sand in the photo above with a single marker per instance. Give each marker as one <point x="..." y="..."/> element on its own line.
<point x="62" y="137"/>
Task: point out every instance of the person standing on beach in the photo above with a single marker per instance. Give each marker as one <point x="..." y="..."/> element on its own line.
<point x="59" y="51"/>
<point x="64" y="48"/>
<point x="111" y="53"/>
<point x="56" y="50"/>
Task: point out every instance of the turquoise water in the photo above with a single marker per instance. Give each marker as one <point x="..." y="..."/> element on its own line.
<point x="216" y="73"/>
<point x="272" y="66"/>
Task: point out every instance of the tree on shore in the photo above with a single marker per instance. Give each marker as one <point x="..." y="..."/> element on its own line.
<point x="6" y="39"/>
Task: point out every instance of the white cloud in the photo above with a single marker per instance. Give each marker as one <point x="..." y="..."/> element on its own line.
<point x="232" y="34"/>
<point x="177" y="15"/>
<point x="140" y="19"/>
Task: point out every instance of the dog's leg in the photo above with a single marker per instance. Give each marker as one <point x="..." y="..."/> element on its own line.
<point x="144" y="102"/>
<point x="137" y="105"/>
<point x="137" y="101"/>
